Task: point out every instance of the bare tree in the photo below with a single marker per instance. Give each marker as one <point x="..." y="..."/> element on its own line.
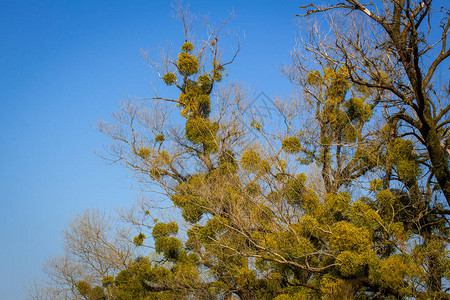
<point x="95" y="246"/>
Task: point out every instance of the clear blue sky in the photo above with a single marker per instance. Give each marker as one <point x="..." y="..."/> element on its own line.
<point x="64" y="66"/>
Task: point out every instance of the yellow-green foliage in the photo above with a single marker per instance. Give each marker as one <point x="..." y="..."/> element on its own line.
<point x="227" y="157"/>
<point x="367" y="155"/>
<point x="335" y="207"/>
<point x="90" y="293"/>
<point x="159" y="138"/>
<point x="341" y="108"/>
<point x="284" y="297"/>
<point x="195" y="100"/>
<point x="309" y="226"/>
<point x="387" y="201"/>
<point x="139" y="239"/>
<point x="132" y="283"/>
<point x="346" y="236"/>
<point x="338" y="85"/>
<point x="191" y="206"/>
<point x="164" y="229"/>
<point x="436" y="249"/>
<point x="169" y="78"/>
<point x="202" y="131"/>
<point x="391" y="273"/>
<point x="193" y="243"/>
<point x="358" y="110"/>
<point x="256" y="125"/>
<point x="155" y="173"/>
<point x="376" y="185"/>
<point x="144" y="152"/>
<point x="405" y="158"/>
<point x="187" y="47"/>
<point x="296" y="193"/>
<point x="186" y="198"/>
<point x="293" y="190"/>
<point x="205" y="83"/>
<point x="84" y="288"/>
<point x="246" y="278"/>
<point x="351" y="263"/>
<point x="217" y="71"/>
<point x="296" y="296"/>
<point x="314" y="78"/>
<point x="335" y="288"/>
<point x="253" y="189"/>
<point x="185" y="274"/>
<point x="187" y="64"/>
<point x="362" y="215"/>
<point x="334" y="118"/>
<point x="385" y="198"/>
<point x="291" y="145"/>
<point x="170" y="247"/>
<point x="213" y="227"/>
<point x="97" y="294"/>
<point x="162" y="158"/>
<point x="107" y="280"/>
<point x="289" y="243"/>
<point x="252" y="161"/>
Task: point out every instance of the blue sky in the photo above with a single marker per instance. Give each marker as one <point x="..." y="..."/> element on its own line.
<point x="67" y="64"/>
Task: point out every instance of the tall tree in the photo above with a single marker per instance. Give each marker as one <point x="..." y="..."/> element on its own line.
<point x="255" y="222"/>
<point x="95" y="246"/>
<point x="397" y="47"/>
<point x="336" y="200"/>
<point x="400" y="51"/>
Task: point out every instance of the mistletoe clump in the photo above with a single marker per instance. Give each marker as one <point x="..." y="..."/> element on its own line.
<point x="187" y="64"/>
<point x="291" y="144"/>
<point x="169" y="78"/>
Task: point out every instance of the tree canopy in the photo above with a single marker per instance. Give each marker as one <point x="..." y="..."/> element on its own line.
<point x="348" y="197"/>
